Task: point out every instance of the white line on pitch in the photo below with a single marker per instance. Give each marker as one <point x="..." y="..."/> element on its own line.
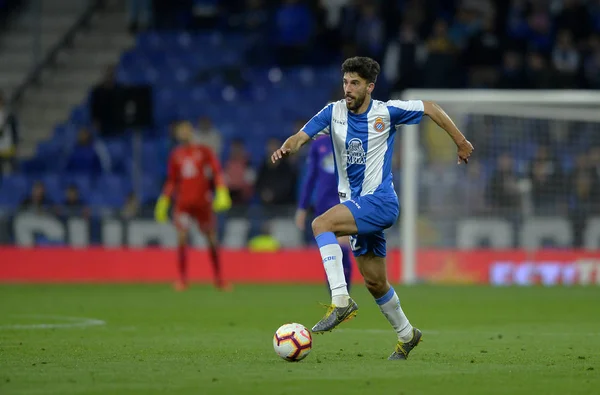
<point x="67" y="322"/>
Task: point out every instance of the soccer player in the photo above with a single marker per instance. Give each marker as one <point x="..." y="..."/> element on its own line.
<point x="193" y="168"/>
<point x="362" y="131"/>
<point x="321" y="178"/>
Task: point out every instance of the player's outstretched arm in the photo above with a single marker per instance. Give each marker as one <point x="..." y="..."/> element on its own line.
<point x="161" y="209"/>
<point x="291" y="146"/>
<point x="439" y="116"/>
<point x="222" y="198"/>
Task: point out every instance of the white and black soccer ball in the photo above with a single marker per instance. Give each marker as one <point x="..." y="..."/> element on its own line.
<point x="292" y="342"/>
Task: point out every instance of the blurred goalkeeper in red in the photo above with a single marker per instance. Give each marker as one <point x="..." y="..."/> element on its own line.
<point x="194" y="175"/>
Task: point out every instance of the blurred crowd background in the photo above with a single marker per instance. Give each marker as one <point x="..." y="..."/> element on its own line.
<point x="248" y="73"/>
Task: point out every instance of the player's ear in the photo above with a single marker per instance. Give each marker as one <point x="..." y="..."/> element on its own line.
<point x="370" y="87"/>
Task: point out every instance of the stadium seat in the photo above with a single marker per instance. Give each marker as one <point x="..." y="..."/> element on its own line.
<point x="111" y="190"/>
<point x="13" y="189"/>
<point x="54" y="187"/>
<point x="119" y="153"/>
<point x="82" y="182"/>
<point x="150" y="189"/>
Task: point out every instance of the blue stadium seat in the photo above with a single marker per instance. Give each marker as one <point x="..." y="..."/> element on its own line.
<point x="81" y="115"/>
<point x="119" y="152"/>
<point x="82" y="182"/>
<point x="150" y="153"/>
<point x="13" y="189"/>
<point x="111" y="190"/>
<point x="150" y="189"/>
<point x="65" y="134"/>
<point x="54" y="187"/>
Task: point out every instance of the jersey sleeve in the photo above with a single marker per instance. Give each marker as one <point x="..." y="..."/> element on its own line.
<point x="215" y="167"/>
<point x="320" y="123"/>
<point x="405" y="112"/>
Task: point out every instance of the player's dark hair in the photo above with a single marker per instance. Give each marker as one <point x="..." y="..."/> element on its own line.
<point x="366" y="68"/>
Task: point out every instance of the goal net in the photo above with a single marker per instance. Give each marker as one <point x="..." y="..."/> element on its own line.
<point x="530" y="193"/>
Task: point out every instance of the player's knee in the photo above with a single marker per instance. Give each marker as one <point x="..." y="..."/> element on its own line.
<point x="376" y="286"/>
<point x="321" y="225"/>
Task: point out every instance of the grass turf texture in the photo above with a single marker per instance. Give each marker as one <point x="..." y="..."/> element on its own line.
<point x="156" y="341"/>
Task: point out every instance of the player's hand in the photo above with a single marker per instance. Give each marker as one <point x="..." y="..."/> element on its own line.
<point x="465" y="148"/>
<point x="222" y="200"/>
<point x="300" y="218"/>
<point x="280" y="153"/>
<point x="161" y="210"/>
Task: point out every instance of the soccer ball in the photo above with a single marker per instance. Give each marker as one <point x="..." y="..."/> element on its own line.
<point x="292" y="342"/>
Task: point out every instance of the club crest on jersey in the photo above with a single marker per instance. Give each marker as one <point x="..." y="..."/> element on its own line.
<point x="356" y="154"/>
<point x="379" y="125"/>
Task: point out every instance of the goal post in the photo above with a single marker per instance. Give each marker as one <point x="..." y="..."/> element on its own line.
<point x="536" y="134"/>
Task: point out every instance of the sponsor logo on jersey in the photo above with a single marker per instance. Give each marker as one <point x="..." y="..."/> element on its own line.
<point x="340" y="122"/>
<point x="356" y="154"/>
<point x="379" y="125"/>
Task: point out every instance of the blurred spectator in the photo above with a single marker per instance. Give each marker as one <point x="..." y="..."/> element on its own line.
<point x="591" y="66"/>
<point x="207" y="134"/>
<point x="9" y="138"/>
<point x="172" y="15"/>
<point x="511" y="74"/>
<point x="370" y="32"/>
<point x="594" y="160"/>
<point x="7" y="7"/>
<point x="546" y="178"/>
<point x="239" y="176"/>
<point x="538" y="73"/>
<point x="350" y="16"/>
<point x="334" y="12"/>
<point x="516" y="22"/>
<point x="37" y="201"/>
<point x="276" y="182"/>
<point x="540" y="27"/>
<point x="466" y="24"/>
<point x="594" y="9"/>
<point x="131" y="208"/>
<point x="582" y="204"/>
<point x="440" y="197"/>
<point x="483" y="55"/>
<point x="87" y="157"/>
<point x="140" y="14"/>
<point x="104" y="105"/>
<point x="253" y="19"/>
<point x="205" y="13"/>
<point x="73" y="204"/>
<point x="471" y="197"/>
<point x="566" y="59"/>
<point x="503" y="192"/>
<point x="574" y="18"/>
<point x="294" y="29"/>
<point x="403" y="56"/>
<point x="440" y="65"/>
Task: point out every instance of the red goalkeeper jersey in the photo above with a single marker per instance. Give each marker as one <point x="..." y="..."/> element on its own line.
<point x="192" y="170"/>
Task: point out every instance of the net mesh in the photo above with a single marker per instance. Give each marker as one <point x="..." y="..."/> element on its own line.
<point x="533" y="181"/>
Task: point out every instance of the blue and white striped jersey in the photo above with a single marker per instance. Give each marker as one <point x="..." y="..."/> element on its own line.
<point x="363" y="144"/>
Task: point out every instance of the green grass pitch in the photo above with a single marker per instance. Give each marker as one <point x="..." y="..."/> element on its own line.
<point x="148" y="339"/>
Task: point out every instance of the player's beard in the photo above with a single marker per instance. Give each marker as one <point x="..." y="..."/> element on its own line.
<point x="356" y="102"/>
